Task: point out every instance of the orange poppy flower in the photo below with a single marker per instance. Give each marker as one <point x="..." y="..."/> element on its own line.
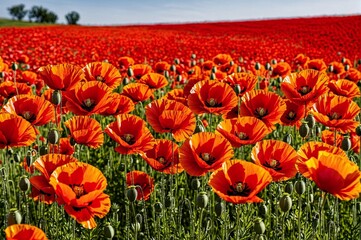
<point x="88" y="98"/>
<point x="305" y="87"/>
<point x="139" y="70"/>
<point x="337" y="70"/>
<point x="352" y="74"/>
<point x="210" y="96"/>
<point x="143" y="182"/>
<point x="163" y="157"/>
<point x="15" y="131"/>
<point x="24" y="231"/>
<point x="334" y="174"/>
<point x="316" y="64"/>
<point x="34" y="109"/>
<point x="86" y="131"/>
<point x="293" y="114"/>
<point x="62" y="76"/>
<point x="131" y="133"/>
<point x="9" y="89"/>
<point x="64" y="147"/>
<point x="154" y="80"/>
<point x="242" y="130"/>
<point x="138" y="92"/>
<point x="48" y="94"/>
<point x="336" y="112"/>
<point x="238" y="181"/>
<point x="266" y="106"/>
<point x="79" y="187"/>
<point x="177" y="95"/>
<point x="204" y="152"/>
<point x="160" y="67"/>
<point x="281" y="69"/>
<point x="125" y="62"/>
<point x="328" y="137"/>
<point x="312" y="149"/>
<point x="103" y="72"/>
<point x="301" y="60"/>
<point x="171" y="116"/>
<point x="119" y="104"/>
<point x="41" y="190"/>
<point x="245" y="81"/>
<point x="344" y="87"/>
<point x="277" y="157"/>
<point x="27" y="77"/>
<point x="223" y="63"/>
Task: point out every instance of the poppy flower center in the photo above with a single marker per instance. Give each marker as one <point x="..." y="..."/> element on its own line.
<point x="239" y="189"/>
<point x="334" y="116"/>
<point x="129" y="138"/>
<point x="242" y="135"/>
<point x="99" y="78"/>
<point x="260" y="112"/>
<point x="213" y="103"/>
<point x="291" y="115"/>
<point x="208" y="158"/>
<point x="161" y="160"/>
<point x="78" y="190"/>
<point x="274" y="164"/>
<point x="304" y="90"/>
<point x="28" y="116"/>
<point x="88" y="104"/>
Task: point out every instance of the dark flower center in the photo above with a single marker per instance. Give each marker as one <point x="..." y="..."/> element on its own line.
<point x="161" y="159"/>
<point x="29" y="116"/>
<point x="78" y="190"/>
<point x="291" y="115"/>
<point x="88" y="104"/>
<point x="260" y="112"/>
<point x="242" y="135"/>
<point x="99" y="78"/>
<point x="304" y="90"/>
<point x="213" y="103"/>
<point x="129" y="138"/>
<point x="239" y="189"/>
<point x="274" y="164"/>
<point x="334" y="116"/>
<point x="208" y="158"/>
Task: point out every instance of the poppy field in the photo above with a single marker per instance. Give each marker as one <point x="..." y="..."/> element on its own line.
<point x="227" y="130"/>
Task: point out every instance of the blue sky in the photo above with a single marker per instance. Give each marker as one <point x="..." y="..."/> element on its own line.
<point x="113" y="12"/>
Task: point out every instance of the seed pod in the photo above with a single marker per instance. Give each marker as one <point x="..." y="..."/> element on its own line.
<point x="267" y="66"/>
<point x="199" y="127"/>
<point x="193" y="56"/>
<point x="358" y="130"/>
<point x="262" y="210"/>
<point x="53" y="136"/>
<point x="310" y="120"/>
<point x="300" y="187"/>
<point x="132" y="193"/>
<point x="347" y="67"/>
<point x="158" y="207"/>
<point x="212" y="76"/>
<point x="346" y="143"/>
<point x="343" y="60"/>
<point x="130" y="72"/>
<point x="237" y="89"/>
<point x="178" y="78"/>
<point x="195" y="183"/>
<point x="14" y="217"/>
<point x="274" y="61"/>
<point x="109" y="231"/>
<point x="136" y="226"/>
<point x="173" y="68"/>
<point x="166" y="74"/>
<point x="16" y="157"/>
<point x="24" y="183"/>
<point x="43" y="150"/>
<point x="219" y="208"/>
<point x="285" y="202"/>
<point x="289" y="188"/>
<point x="214" y="69"/>
<point x="239" y="69"/>
<point x="330" y="68"/>
<point x="14" y="66"/>
<point x="29" y="160"/>
<point x="304" y="130"/>
<point x="202" y="200"/>
<point x="287" y="138"/>
<point x="139" y="218"/>
<point x="259" y="226"/>
<point x="126" y="81"/>
<point x="56" y="97"/>
<point x="257" y="66"/>
<point x="2" y="74"/>
<point x="122" y="167"/>
<point x="176" y="61"/>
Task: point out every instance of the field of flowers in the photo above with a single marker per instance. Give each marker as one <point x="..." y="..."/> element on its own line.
<point x="232" y="130"/>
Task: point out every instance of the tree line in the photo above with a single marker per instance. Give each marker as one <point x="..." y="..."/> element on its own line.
<point x="40" y="14"/>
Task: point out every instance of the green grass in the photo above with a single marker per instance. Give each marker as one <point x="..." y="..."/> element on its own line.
<point x="4" y="22"/>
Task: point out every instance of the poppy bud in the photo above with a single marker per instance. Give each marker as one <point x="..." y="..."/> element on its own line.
<point x="14" y="217"/>
<point x="262" y="210"/>
<point x="10" y="151"/>
<point x="195" y="184"/>
<point x="259" y="226"/>
<point x="56" y="97"/>
<point x="239" y="69"/>
<point x="289" y="188"/>
<point x="130" y="72"/>
<point x="346" y="143"/>
<point x="179" y="78"/>
<point x="53" y="136"/>
<point x="347" y="67"/>
<point x="237" y="89"/>
<point x="304" y="130"/>
<point x="231" y="63"/>
<point x="166" y="74"/>
<point x="169" y="202"/>
<point x="43" y="150"/>
<point x="257" y="66"/>
<point x="199" y="127"/>
<point x="300" y="187"/>
<point x="173" y="68"/>
<point x="139" y="218"/>
<point x="212" y="76"/>
<point x="202" y="200"/>
<point x="122" y="167"/>
<point x="315" y="221"/>
<point x="16" y="157"/>
<point x="219" y="208"/>
<point x="14" y="66"/>
<point x="274" y="61"/>
<point x="2" y="74"/>
<point x="193" y="56"/>
<point x="358" y="130"/>
<point x="126" y="81"/>
<point x="109" y="231"/>
<point x="29" y="160"/>
<point x="359" y="83"/>
<point x="24" y="183"/>
<point x="72" y="141"/>
<point x="343" y="60"/>
<point x="318" y="130"/>
<point x="310" y="120"/>
<point x="158" y="207"/>
<point x="267" y="66"/>
<point x="285" y="202"/>
<point x="287" y="138"/>
<point x="132" y="193"/>
<point x="214" y="69"/>
<point x="176" y="61"/>
<point x="193" y="63"/>
<point x="359" y="61"/>
<point x="330" y="68"/>
<point x="240" y="59"/>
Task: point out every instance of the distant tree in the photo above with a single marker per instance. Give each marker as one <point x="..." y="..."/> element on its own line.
<point x="18" y="11"/>
<point x="42" y="15"/>
<point x="72" y="18"/>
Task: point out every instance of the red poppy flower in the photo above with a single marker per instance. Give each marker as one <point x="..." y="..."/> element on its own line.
<point x="312" y="149"/>
<point x="281" y="69"/>
<point x="139" y="70"/>
<point x="28" y="77"/>
<point x="154" y="80"/>
<point x="103" y="72"/>
<point x="328" y="137"/>
<point x="138" y="92"/>
<point x="15" y="131"/>
<point x="48" y="94"/>
<point x="119" y="104"/>
<point x="88" y="98"/>
<point x="86" y="131"/>
<point x="171" y="116"/>
<point x="131" y="133"/>
<point x="301" y="60"/>
<point x="204" y="152"/>
<point x="24" y="231"/>
<point x="334" y="174"/>
<point x="277" y="157"/>
<point x="64" y="147"/>
<point x="343" y="87"/>
<point x="79" y="187"/>
<point x="242" y="130"/>
<point x="305" y="87"/>
<point x="210" y="96"/>
<point x="9" y="89"/>
<point x="41" y="190"/>
<point x="316" y="64"/>
<point x="177" y="95"/>
<point x="62" y="76"/>
<point x="266" y="106"/>
<point x="143" y="182"/>
<point x="223" y="63"/>
<point x="245" y="81"/>
<point x="337" y="70"/>
<point x="293" y="114"/>
<point x="125" y="62"/>
<point x="34" y="109"/>
<point x="336" y="112"/>
<point x="352" y="74"/>
<point x="162" y="66"/>
<point x="239" y="181"/>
